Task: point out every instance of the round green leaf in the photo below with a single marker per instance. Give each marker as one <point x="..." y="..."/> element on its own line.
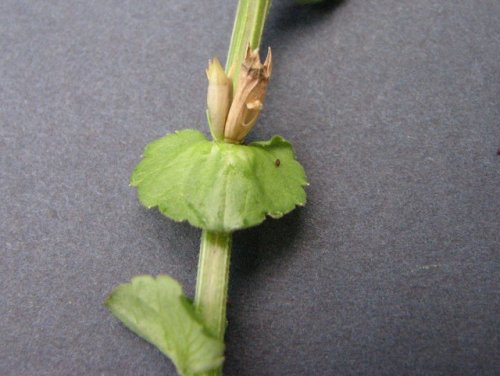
<point x="219" y="186"/>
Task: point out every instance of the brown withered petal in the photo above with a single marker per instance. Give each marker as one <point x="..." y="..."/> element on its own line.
<point x="249" y="97"/>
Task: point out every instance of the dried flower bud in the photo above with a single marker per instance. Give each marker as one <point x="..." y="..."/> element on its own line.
<point x="218" y="98"/>
<point x="249" y="96"/>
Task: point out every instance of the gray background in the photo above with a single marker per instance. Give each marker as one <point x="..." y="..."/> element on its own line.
<point x="393" y="108"/>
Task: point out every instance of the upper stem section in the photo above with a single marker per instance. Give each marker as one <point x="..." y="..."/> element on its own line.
<point x="248" y="27"/>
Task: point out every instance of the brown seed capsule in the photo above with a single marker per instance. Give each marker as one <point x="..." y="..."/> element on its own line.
<point x="249" y="96"/>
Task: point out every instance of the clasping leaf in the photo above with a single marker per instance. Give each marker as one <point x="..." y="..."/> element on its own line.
<point x="219" y="186"/>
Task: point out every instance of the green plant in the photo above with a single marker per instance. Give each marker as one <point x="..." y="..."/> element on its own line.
<point x="219" y="186"/>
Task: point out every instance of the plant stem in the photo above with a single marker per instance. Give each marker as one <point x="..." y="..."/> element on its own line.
<point x="215" y="248"/>
<point x="248" y="27"/>
<point x="212" y="283"/>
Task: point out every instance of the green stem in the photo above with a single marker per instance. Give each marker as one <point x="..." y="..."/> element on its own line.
<point x="215" y="249"/>
<point x="212" y="283"/>
<point x="248" y="27"/>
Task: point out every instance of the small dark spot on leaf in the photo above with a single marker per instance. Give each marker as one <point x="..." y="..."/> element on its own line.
<point x="277" y="162"/>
